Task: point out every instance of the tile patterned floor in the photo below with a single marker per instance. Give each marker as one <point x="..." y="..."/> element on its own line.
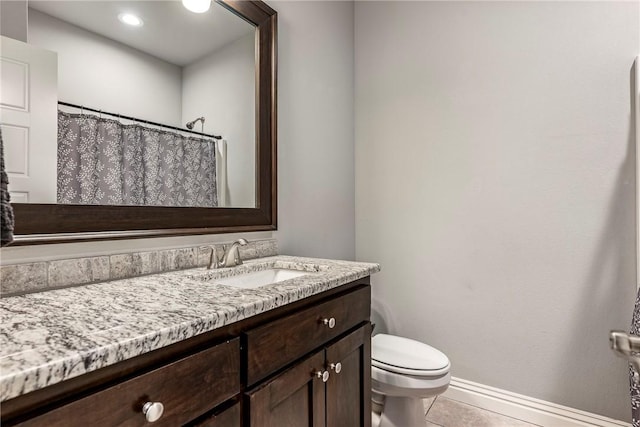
<point x="443" y="412"/>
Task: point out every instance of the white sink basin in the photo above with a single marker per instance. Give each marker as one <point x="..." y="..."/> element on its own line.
<point x="260" y="278"/>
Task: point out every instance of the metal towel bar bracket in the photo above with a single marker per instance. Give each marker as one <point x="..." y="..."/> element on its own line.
<point x="628" y="347"/>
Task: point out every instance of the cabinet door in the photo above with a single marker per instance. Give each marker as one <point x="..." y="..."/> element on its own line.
<point x="294" y="398"/>
<point x="349" y="391"/>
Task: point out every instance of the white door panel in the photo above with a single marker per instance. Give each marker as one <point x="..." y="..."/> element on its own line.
<point x="15" y="87"/>
<point x="16" y="150"/>
<point x="18" y="197"/>
<point x="28" y="117"/>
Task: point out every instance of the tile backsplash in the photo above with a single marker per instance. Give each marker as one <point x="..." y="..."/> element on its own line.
<point x="40" y="276"/>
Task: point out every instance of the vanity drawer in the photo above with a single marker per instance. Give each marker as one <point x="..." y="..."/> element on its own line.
<point x="273" y="346"/>
<point x="186" y="388"/>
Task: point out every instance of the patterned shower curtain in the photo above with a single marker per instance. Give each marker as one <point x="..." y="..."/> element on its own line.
<point x="103" y="162"/>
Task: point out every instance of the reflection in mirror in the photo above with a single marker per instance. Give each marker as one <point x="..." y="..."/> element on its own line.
<point x="114" y="101"/>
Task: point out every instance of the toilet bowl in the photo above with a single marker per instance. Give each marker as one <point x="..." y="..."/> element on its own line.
<point x="403" y="372"/>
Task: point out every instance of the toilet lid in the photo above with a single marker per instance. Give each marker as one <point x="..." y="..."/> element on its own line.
<point x="406" y="354"/>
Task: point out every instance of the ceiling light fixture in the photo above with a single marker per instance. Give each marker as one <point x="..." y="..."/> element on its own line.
<point x="130" y="19"/>
<point x="197" y="6"/>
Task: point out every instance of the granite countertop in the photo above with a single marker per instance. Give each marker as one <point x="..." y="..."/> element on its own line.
<point x="52" y="336"/>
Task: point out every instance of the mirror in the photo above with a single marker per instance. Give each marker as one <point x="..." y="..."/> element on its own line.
<point x="121" y="160"/>
<point x="173" y="67"/>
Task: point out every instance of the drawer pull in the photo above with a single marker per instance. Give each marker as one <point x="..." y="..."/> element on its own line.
<point x="331" y="322"/>
<point x="152" y="411"/>
<point x="336" y="367"/>
<point x="323" y="375"/>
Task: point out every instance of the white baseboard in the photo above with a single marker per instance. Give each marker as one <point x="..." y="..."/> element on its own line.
<point x="525" y="408"/>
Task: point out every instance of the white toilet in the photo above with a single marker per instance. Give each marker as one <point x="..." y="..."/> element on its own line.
<point x="403" y="372"/>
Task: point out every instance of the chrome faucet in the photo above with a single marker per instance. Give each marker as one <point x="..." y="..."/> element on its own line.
<point x="230" y="256"/>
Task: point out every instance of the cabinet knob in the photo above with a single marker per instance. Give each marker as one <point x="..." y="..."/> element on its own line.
<point x="152" y="411"/>
<point x="330" y="322"/>
<point x="336" y="367"/>
<point x="323" y="375"/>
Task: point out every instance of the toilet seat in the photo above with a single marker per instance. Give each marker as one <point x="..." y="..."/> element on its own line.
<point x="408" y="357"/>
<point x="411" y="372"/>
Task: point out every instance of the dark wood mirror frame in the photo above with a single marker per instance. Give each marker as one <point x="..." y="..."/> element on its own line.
<point x="51" y="223"/>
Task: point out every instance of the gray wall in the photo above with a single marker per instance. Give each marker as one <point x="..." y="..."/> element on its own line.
<point x="315" y="146"/>
<point x="13" y="19"/>
<point x="495" y="184"/>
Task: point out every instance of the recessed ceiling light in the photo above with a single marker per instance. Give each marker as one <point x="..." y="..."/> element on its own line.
<point x="130" y="19"/>
<point x="197" y="6"/>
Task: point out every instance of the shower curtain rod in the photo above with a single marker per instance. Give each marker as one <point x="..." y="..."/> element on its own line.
<point x="120" y="116"/>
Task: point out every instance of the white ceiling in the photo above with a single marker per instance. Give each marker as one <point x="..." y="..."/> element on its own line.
<point x="170" y="32"/>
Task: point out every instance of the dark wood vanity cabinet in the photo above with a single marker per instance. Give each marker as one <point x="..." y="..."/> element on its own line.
<point x="329" y="388"/>
<point x="307" y="363"/>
